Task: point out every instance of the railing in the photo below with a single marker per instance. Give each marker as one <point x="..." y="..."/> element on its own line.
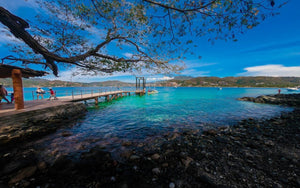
<point x="30" y="93"/>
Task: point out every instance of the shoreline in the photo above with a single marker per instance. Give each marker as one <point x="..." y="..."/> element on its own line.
<point x="252" y="153"/>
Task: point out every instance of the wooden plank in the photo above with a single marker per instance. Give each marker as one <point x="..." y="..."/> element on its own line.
<point x="6" y="109"/>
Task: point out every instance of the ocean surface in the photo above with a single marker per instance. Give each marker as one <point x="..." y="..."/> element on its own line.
<point x="139" y="118"/>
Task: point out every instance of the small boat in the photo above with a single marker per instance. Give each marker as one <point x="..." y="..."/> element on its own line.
<point x="153" y="91"/>
<point x="292" y="88"/>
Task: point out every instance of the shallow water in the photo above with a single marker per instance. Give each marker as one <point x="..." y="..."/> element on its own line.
<point x="136" y="118"/>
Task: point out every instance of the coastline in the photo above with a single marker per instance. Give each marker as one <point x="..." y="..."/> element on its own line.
<point x="262" y="153"/>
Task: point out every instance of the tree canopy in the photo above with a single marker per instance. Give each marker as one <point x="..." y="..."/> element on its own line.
<point x="127" y="35"/>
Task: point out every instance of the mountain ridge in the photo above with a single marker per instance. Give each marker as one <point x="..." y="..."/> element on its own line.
<point x="180" y="81"/>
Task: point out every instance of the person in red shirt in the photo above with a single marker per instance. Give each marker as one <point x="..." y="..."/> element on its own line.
<point x="52" y="94"/>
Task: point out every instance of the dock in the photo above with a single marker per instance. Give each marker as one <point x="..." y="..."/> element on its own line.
<point x="40" y="117"/>
<point x="9" y="109"/>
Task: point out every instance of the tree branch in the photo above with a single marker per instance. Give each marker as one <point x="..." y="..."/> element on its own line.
<point x="17" y="27"/>
<point x="178" y="9"/>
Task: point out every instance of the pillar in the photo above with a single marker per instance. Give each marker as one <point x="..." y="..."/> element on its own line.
<point x="96" y="101"/>
<point x="18" y="88"/>
<point x="107" y="97"/>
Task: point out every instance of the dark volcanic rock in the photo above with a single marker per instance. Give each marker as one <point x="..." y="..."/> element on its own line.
<point x="253" y="153"/>
<point x="281" y="99"/>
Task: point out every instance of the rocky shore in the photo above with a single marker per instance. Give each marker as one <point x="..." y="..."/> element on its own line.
<point x="253" y="153"/>
<point x="279" y="99"/>
<point x="21" y="127"/>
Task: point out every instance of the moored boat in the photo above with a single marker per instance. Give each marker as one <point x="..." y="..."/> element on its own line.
<point x="292" y="88"/>
<point x="153" y="91"/>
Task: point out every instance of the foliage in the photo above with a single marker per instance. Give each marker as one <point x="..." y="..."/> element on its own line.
<point x="94" y="35"/>
<point x="259" y="81"/>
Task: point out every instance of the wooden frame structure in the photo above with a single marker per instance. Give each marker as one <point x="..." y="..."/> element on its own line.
<point x="16" y="73"/>
<point x="139" y="85"/>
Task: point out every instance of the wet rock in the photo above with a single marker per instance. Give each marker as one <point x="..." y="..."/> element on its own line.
<point x="156" y="171"/>
<point x="126" y="154"/>
<point x="66" y="133"/>
<point x="128" y="143"/>
<point x="211" y="132"/>
<point x="24" y="173"/>
<point x="174" y="136"/>
<point x="171" y="185"/>
<point x="42" y="165"/>
<point x="269" y="143"/>
<point x="6" y="155"/>
<point x="186" y="162"/>
<point x="155" y="156"/>
<point x="206" y="178"/>
<point x="183" y="155"/>
<point x="134" y="157"/>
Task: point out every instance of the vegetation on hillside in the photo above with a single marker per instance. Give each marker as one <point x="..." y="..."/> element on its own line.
<point x="259" y="81"/>
<point x="181" y="81"/>
<point x="37" y="82"/>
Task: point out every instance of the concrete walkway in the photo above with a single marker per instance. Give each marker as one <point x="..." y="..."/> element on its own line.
<point x="9" y="109"/>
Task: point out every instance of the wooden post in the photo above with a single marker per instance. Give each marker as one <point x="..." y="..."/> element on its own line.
<point x="96" y="101"/>
<point x="18" y="88"/>
<point x="107" y="97"/>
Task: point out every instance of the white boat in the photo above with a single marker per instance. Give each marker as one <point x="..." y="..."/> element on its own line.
<point x="292" y="88"/>
<point x="153" y="91"/>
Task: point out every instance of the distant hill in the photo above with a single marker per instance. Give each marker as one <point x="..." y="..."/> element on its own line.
<point x="35" y="82"/>
<point x="259" y="81"/>
<point x="177" y="81"/>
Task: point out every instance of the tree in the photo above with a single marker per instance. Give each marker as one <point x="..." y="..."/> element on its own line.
<point x="154" y="32"/>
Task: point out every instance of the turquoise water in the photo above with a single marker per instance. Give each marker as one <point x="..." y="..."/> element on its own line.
<point x="136" y="118"/>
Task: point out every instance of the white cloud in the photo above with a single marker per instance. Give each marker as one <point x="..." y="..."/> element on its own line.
<point x="6" y="37"/>
<point x="128" y="55"/>
<point x="192" y="64"/>
<point x="272" y="70"/>
<point x="16" y="4"/>
<point x="194" y="72"/>
<point x="195" y="68"/>
<point x="160" y="78"/>
<point x="74" y="75"/>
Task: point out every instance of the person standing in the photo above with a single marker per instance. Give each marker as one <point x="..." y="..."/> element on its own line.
<point x="279" y="90"/>
<point x="52" y="94"/>
<point x="12" y="97"/>
<point x="3" y="93"/>
<point x="40" y="92"/>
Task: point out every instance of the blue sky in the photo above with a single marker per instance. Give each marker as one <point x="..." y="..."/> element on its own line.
<point x="270" y="49"/>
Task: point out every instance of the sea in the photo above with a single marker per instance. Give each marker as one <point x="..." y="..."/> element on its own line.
<point x="141" y="118"/>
